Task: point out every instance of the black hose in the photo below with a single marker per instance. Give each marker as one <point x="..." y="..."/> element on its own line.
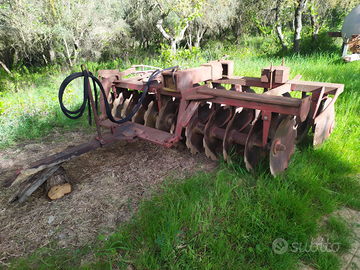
<point x="79" y="112"/>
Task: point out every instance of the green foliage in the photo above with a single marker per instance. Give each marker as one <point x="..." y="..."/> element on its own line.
<point x="263" y="28"/>
<point x="182" y="56"/>
<point x="323" y="44"/>
<point x="309" y="46"/>
<point x="33" y="32"/>
<point x="29" y="107"/>
<point x="195" y="12"/>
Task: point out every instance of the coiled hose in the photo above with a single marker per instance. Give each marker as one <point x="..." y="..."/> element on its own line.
<point x="79" y="112"/>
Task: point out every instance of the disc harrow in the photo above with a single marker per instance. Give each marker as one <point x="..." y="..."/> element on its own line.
<point x="212" y="112"/>
<point x="195" y="104"/>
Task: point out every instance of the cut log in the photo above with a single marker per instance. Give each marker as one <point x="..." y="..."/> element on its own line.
<point x="28" y="187"/>
<point x="58" y="184"/>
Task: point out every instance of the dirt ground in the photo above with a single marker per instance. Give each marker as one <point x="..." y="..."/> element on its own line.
<point x="107" y="186"/>
<point x="352" y="258"/>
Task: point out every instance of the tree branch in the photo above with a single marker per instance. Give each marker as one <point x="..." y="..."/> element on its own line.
<point x="162" y="30"/>
<point x="182" y="32"/>
<point x="5" y="67"/>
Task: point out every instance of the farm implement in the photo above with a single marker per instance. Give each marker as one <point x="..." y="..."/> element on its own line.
<point x="207" y="108"/>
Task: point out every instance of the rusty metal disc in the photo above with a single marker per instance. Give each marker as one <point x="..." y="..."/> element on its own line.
<point x="118" y="106"/>
<point x="195" y="128"/>
<point x="303" y="127"/>
<point x="121" y="102"/>
<point x="151" y="114"/>
<point x="252" y="152"/>
<point x="239" y="123"/>
<point x="124" y="106"/>
<point x="282" y="146"/>
<point x="139" y="115"/>
<point x="130" y="104"/>
<point x="111" y="101"/>
<point x="326" y="125"/>
<point x="167" y="115"/>
<point x="214" y="128"/>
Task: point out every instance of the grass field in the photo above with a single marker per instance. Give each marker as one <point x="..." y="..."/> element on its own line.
<point x="229" y="218"/>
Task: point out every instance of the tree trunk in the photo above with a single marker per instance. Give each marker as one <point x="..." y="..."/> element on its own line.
<point x="58" y="184"/>
<point x="189" y="38"/>
<point x="298" y="23"/>
<point x="76" y="50"/>
<point x="172" y="39"/>
<point x="16" y="57"/>
<point x="5" y="67"/>
<point x="292" y="25"/>
<point x="199" y="35"/>
<point x="173" y="46"/>
<point x="159" y="26"/>
<point x="44" y="57"/>
<point x="278" y="24"/>
<point x="237" y="36"/>
<point x="142" y="27"/>
<point x="67" y="52"/>
<point x="189" y="42"/>
<point x="315" y="26"/>
<point x="51" y="53"/>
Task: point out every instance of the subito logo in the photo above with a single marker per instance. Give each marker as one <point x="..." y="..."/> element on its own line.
<point x="280" y="246"/>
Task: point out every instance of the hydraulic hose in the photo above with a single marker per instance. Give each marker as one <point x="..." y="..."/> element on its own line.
<point x="79" y="112"/>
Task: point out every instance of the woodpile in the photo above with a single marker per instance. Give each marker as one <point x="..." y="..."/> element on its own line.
<point x="56" y="186"/>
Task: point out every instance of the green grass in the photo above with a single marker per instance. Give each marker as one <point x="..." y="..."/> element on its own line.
<point x="30" y="109"/>
<point x="221" y="220"/>
<point x="229" y="218"/>
<point x="226" y="219"/>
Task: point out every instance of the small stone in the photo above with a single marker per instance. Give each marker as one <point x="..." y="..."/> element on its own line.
<point x="33" y="147"/>
<point x="62" y="243"/>
<point x="51" y="219"/>
<point x="62" y="236"/>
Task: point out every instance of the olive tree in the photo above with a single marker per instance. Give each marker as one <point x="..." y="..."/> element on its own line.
<point x="42" y="30"/>
<point x="214" y="18"/>
<point x="174" y="17"/>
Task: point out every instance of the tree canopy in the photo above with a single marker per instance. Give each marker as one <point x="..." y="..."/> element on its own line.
<point x="41" y="32"/>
